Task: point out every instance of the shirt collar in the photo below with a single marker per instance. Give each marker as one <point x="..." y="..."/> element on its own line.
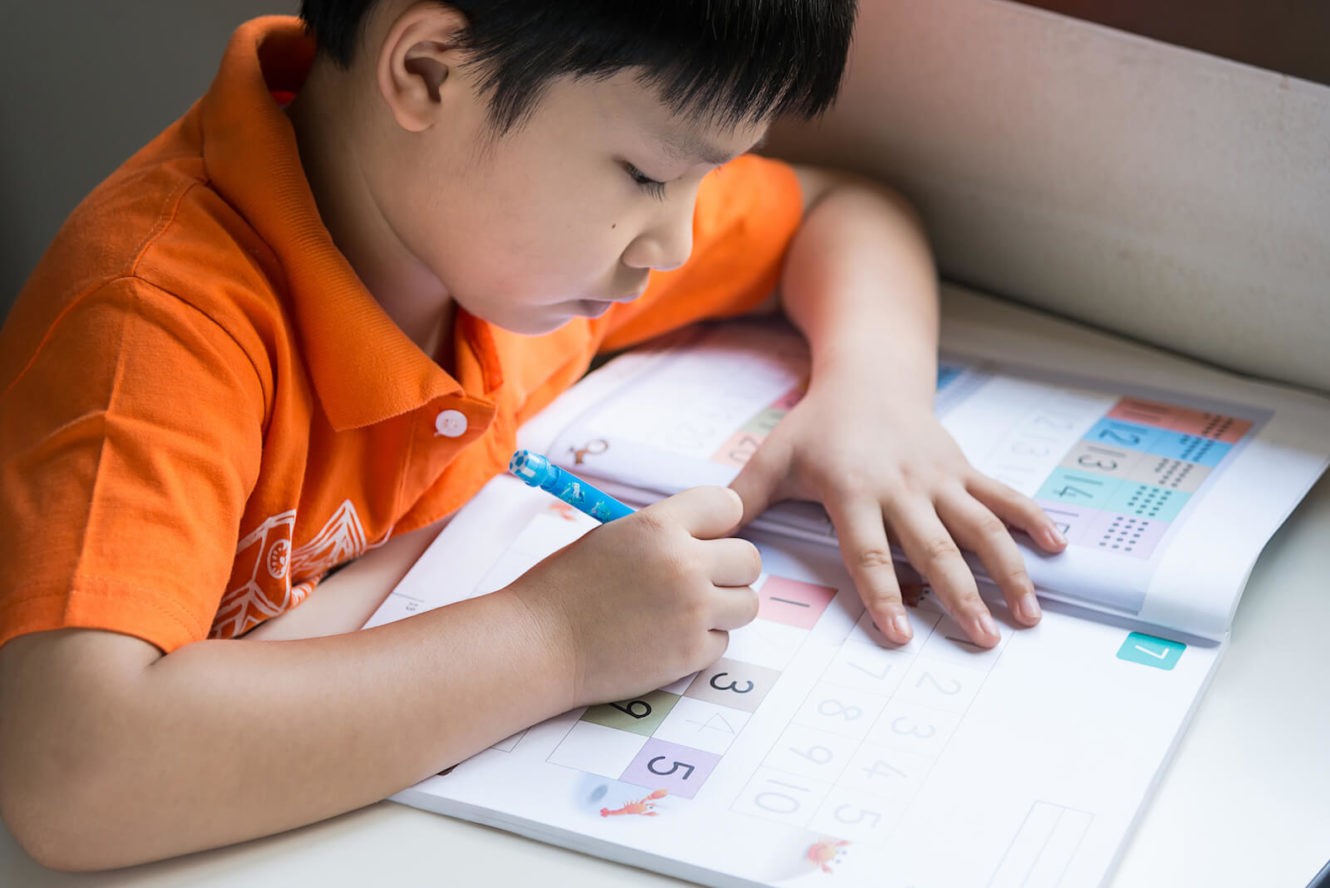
<point x="363" y="367"/>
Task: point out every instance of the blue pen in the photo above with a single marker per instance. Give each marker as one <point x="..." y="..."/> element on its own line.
<point x="538" y="471"/>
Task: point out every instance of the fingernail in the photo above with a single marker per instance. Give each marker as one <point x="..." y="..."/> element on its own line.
<point x="1027" y="607"/>
<point x="984" y="623"/>
<point x="1054" y="537"/>
<point x="901" y="624"/>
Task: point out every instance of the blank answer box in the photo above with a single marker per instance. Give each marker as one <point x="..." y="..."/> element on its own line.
<point x="1042" y="847"/>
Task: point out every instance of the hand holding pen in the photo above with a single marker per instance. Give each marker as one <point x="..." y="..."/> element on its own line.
<point x="645" y="600"/>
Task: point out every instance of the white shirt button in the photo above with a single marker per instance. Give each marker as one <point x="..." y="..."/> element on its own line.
<point x="450" y="423"/>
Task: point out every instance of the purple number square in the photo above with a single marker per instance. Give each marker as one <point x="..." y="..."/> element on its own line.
<point x="681" y="770"/>
<point x="1072" y="521"/>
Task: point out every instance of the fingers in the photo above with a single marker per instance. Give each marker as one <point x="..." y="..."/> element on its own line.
<point x="734" y="607"/>
<point x="731" y="564"/>
<point x="759" y="481"/>
<point x="867" y="556"/>
<point x="1018" y="511"/>
<point x="734" y="562"/>
<point x="707" y="513"/>
<point x="933" y="552"/>
<point x="979" y="530"/>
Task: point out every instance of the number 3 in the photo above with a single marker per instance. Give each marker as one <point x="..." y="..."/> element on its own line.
<point x="732" y="686"/>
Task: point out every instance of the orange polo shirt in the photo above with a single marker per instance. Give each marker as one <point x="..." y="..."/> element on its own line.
<point x="202" y="410"/>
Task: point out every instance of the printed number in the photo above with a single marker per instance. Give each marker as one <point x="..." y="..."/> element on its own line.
<point x="1052" y="422"/>
<point x="715" y="717"/>
<point x="882" y="769"/>
<point x="635" y="708"/>
<point x="779" y="802"/>
<point x="1027" y="449"/>
<point x="744" y="450"/>
<point x="914" y="730"/>
<point x="1068" y="490"/>
<point x="1148" y="412"/>
<point x="687" y="769"/>
<point x="860" y="815"/>
<point x="886" y="667"/>
<point x="818" y="755"/>
<point x="1100" y="458"/>
<point x="1119" y="437"/>
<point x="840" y="709"/>
<point x="732" y="686"/>
<point x="931" y="679"/>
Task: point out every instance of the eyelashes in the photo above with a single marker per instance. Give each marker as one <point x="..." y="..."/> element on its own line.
<point x="651" y="186"/>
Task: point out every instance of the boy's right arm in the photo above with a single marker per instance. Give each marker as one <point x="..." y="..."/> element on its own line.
<point x="113" y="754"/>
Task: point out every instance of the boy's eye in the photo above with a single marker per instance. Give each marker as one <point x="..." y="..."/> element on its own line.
<point x="651" y="186"/>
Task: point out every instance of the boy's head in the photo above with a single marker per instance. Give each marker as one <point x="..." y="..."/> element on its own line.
<point x="540" y="158"/>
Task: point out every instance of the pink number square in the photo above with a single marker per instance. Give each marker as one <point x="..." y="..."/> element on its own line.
<point x="783" y="600"/>
<point x="1188" y="421"/>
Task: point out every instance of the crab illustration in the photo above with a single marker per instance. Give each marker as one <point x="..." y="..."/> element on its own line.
<point x="643" y="806"/>
<point x="825" y="852"/>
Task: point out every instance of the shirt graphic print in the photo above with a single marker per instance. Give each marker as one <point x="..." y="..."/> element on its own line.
<point x="261" y="576"/>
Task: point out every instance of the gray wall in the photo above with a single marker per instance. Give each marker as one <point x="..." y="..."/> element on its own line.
<point x="1177" y="197"/>
<point x="86" y="83"/>
<point x="1170" y="195"/>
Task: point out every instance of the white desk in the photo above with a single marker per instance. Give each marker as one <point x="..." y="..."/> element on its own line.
<point x="1245" y="801"/>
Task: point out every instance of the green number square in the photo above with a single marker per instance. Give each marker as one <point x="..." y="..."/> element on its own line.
<point x="1150" y="650"/>
<point x="641" y="715"/>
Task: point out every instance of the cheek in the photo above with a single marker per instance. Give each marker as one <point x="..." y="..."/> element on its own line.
<point x="506" y="229"/>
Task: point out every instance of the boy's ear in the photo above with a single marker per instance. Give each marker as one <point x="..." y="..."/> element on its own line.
<point x="417" y="58"/>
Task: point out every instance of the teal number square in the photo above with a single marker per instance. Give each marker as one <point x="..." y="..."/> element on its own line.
<point x="1149" y="650"/>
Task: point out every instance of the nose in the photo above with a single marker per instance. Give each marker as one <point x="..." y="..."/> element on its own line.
<point x="667" y="243"/>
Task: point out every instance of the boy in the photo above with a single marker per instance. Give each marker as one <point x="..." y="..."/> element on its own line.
<point x="310" y="316"/>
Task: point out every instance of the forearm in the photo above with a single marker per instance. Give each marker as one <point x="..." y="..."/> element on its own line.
<point x="860" y="283"/>
<point x="224" y="741"/>
<point x="345" y="600"/>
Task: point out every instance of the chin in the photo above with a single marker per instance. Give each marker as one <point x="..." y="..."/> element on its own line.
<point x="535" y="326"/>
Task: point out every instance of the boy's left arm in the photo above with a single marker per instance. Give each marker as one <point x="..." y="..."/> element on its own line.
<point x="859" y="282"/>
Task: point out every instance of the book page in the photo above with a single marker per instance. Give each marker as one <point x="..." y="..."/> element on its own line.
<point x="816" y="752"/>
<point x="1137" y="477"/>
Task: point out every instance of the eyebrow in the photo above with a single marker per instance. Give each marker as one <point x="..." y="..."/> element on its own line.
<point x="688" y="146"/>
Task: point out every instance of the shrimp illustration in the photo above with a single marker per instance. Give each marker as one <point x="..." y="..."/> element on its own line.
<point x="825" y="852"/>
<point x="643" y="806"/>
<point x="563" y="510"/>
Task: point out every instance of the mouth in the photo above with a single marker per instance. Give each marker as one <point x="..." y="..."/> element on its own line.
<point x="631" y="295"/>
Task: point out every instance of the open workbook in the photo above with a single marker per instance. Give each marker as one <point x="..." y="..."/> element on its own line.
<point x="814" y="751"/>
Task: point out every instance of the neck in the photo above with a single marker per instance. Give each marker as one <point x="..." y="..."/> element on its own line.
<point x="325" y="123"/>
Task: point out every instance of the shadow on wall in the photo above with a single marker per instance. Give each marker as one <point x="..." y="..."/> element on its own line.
<point x="87" y="84"/>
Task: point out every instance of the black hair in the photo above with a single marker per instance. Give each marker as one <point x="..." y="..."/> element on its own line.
<point x="728" y="61"/>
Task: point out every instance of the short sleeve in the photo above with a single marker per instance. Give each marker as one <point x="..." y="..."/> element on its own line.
<point x="129" y="442"/>
<point x="747" y="213"/>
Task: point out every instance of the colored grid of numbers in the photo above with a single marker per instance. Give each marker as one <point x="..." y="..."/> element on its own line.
<point x="741" y="446"/>
<point x="1120" y="486"/>
<point x="673" y="738"/>
<point x="864" y="740"/>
